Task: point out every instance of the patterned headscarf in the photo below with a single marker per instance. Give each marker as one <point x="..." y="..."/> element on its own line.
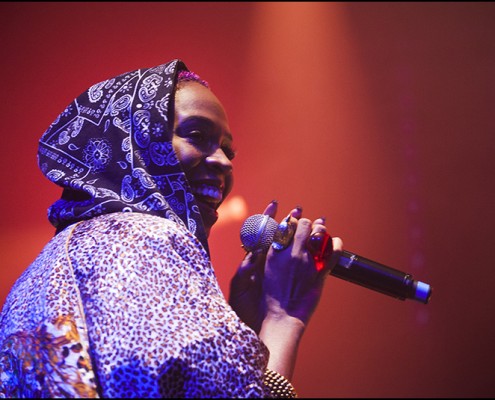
<point x="111" y="150"/>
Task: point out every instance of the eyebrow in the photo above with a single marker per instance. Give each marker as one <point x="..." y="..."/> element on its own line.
<point x="206" y="121"/>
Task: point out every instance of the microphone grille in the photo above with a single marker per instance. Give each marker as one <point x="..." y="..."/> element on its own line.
<point x="257" y="232"/>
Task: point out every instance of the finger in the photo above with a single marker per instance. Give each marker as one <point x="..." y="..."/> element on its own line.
<point x="318" y="226"/>
<point x="253" y="262"/>
<point x="284" y="233"/>
<point x="318" y="239"/>
<point x="296" y="212"/>
<point x="286" y="229"/>
<point x="301" y="236"/>
<point x="271" y="209"/>
<point x="319" y="244"/>
<point x="319" y="221"/>
<point x="338" y="247"/>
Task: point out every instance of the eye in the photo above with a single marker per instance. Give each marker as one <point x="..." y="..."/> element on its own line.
<point x="196" y="136"/>
<point x="229" y="152"/>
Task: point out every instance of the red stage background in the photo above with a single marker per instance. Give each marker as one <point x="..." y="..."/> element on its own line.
<point x="380" y="116"/>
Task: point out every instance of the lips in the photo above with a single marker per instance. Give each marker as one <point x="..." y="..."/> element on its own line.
<point x="208" y="198"/>
<point x="210" y="193"/>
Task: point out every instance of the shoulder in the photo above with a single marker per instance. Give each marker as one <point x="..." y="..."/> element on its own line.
<point x="132" y="232"/>
<point x="129" y="222"/>
<point x="126" y="226"/>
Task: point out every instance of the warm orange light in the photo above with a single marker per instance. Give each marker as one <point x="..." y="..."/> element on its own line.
<point x="232" y="209"/>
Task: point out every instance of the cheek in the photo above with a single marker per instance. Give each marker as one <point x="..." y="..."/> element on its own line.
<point x="186" y="154"/>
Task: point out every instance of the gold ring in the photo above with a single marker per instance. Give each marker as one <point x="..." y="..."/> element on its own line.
<point x="284" y="233"/>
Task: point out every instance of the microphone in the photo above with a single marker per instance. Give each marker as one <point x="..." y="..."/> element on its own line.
<point x="258" y="231"/>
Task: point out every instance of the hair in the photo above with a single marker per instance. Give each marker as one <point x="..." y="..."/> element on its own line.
<point x="187" y="76"/>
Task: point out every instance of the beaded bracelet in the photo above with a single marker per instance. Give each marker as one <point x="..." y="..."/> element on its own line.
<point x="279" y="386"/>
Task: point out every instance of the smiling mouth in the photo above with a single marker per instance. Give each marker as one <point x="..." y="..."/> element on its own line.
<point x="212" y="195"/>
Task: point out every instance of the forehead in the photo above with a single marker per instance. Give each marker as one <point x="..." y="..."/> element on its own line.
<point x="192" y="98"/>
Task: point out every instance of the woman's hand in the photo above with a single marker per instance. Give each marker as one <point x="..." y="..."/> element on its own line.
<point x="292" y="288"/>
<point x="293" y="282"/>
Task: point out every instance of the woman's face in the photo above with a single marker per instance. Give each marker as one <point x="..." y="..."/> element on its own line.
<point x="203" y="144"/>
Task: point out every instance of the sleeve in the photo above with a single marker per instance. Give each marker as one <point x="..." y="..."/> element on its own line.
<point x="43" y="342"/>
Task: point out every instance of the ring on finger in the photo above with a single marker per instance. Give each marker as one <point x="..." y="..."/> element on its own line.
<point x="319" y="244"/>
<point x="284" y="233"/>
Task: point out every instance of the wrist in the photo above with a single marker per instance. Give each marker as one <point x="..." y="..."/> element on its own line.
<point x="283" y="323"/>
<point x="282" y="334"/>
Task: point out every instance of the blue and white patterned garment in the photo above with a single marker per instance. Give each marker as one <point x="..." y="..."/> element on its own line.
<point x="111" y="150"/>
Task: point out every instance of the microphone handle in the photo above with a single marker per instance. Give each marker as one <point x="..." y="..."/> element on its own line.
<point x="375" y="276"/>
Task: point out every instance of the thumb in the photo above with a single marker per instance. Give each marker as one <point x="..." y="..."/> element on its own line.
<point x="254" y="262"/>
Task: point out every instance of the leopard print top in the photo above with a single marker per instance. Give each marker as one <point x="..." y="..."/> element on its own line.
<point x="125" y="305"/>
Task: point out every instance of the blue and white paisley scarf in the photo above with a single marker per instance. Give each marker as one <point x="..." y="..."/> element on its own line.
<point x="111" y="150"/>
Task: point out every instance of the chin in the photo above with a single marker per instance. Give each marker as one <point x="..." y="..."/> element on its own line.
<point x="207" y="231"/>
<point x="209" y="217"/>
<point x="208" y="222"/>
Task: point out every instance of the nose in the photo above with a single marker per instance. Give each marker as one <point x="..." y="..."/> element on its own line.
<point x="218" y="159"/>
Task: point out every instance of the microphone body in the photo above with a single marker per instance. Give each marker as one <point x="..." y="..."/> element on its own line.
<point x="375" y="276"/>
<point x="258" y="231"/>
